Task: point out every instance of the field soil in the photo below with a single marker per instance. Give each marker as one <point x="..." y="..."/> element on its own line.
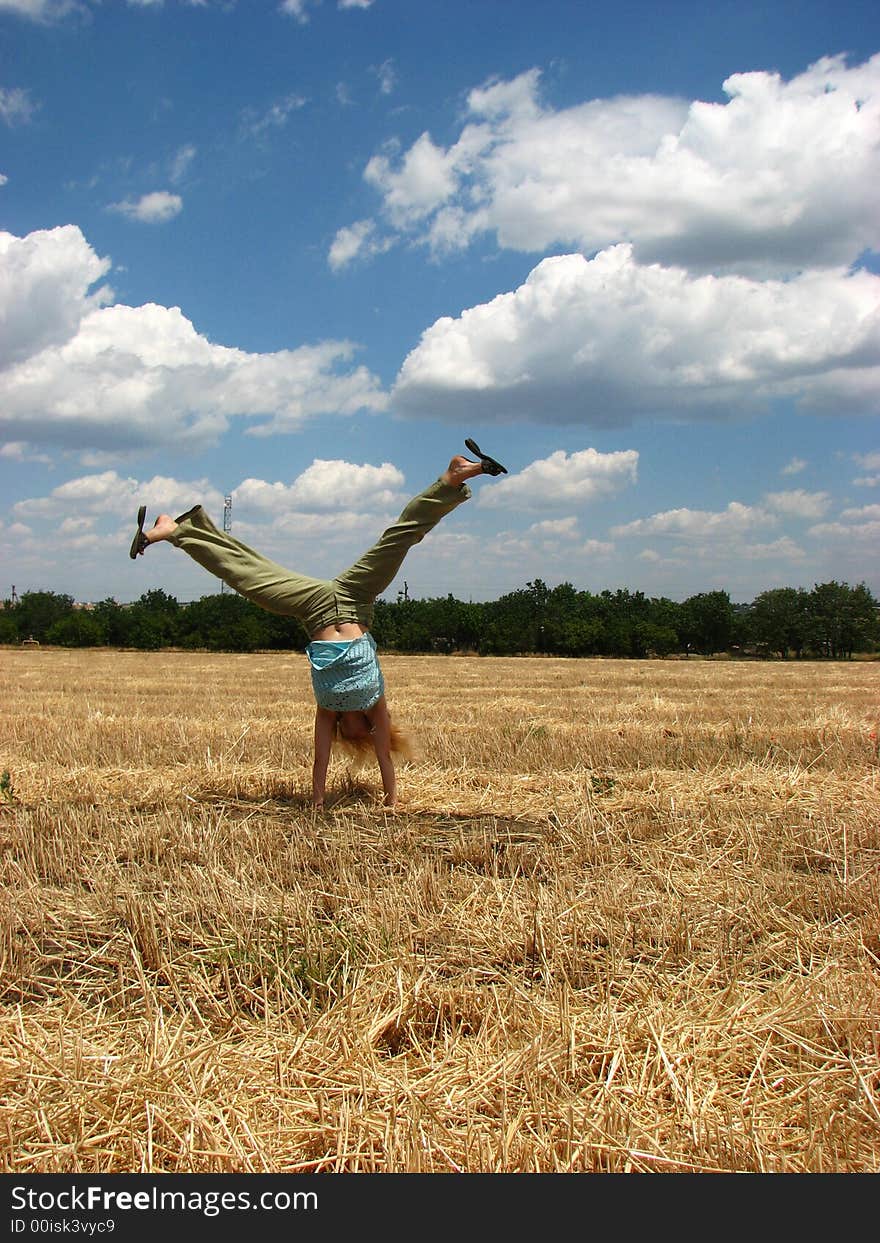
<point x="626" y="918"/>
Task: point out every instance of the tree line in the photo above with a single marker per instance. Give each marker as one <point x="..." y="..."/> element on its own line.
<point x="833" y="620"/>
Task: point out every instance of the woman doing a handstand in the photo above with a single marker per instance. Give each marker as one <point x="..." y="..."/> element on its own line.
<point x="336" y="613"/>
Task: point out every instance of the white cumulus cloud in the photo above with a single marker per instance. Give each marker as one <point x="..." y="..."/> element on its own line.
<point x="326" y="486"/>
<point x="851" y="542"/>
<point x="426" y="178"/>
<point x="109" y="493"/>
<point x="42" y="10"/>
<point x="20" y="451"/>
<point x="865" y="513"/>
<point x="798" y="503"/>
<point x="155" y="208"/>
<point x="596" y="548"/>
<point x="45" y="280"/>
<point x="784" y="549"/>
<point x="563" y="480"/>
<point x="359" y="240"/>
<point x="698" y="523"/>
<point x="296" y="8"/>
<point x="871" y="463"/>
<point x="558" y="528"/>
<point x="16" y="105"/>
<point x="605" y="340"/>
<point x="91" y="377"/>
<point x="784" y="174"/>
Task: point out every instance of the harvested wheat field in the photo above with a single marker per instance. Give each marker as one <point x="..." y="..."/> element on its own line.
<point x="627" y="918"/>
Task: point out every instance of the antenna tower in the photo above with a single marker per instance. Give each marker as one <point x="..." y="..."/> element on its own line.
<point x="227" y="525"/>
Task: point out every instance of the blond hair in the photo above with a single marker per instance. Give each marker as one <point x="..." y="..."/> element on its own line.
<point x="360" y="750"/>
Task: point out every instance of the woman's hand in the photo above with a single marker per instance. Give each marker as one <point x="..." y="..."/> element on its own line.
<point x="380" y="719"/>
<point x="325" y="723"/>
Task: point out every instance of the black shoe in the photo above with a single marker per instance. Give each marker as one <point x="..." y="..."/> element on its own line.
<point x="490" y="466"/>
<point x="139" y="543"/>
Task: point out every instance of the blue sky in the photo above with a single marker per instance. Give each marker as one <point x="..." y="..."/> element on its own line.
<point x="296" y="252"/>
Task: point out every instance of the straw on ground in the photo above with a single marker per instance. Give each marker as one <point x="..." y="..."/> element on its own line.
<point x="626" y="919"/>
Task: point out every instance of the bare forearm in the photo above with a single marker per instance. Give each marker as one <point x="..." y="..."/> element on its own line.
<point x="319" y="779"/>
<point x="381" y="723"/>
<point x="389" y="779"/>
<point x="323" y="736"/>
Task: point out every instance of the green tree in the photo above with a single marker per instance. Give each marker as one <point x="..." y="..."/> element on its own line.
<point x="145" y="632"/>
<point x="513" y="622"/>
<point x="159" y="602"/>
<point x="862" y="632"/>
<point x="708" y="622"/>
<point x="152" y="621"/>
<point x="37" y="611"/>
<point x="650" y="639"/>
<point x="115" y="622"/>
<point x="8" y="626"/>
<point x="779" y="621"/>
<point x="667" y="614"/>
<point x="280" y="634"/>
<point x="843" y="619"/>
<point x="79" y="628"/>
<point x="399" y="626"/>
<point x="557" y="621"/>
<point x="453" y="624"/>
<point x="579" y="636"/>
<point x="223" y="623"/>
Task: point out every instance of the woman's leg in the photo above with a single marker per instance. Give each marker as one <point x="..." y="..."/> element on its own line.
<point x="315" y="602"/>
<point x="376" y="569"/>
<point x="252" y="575"/>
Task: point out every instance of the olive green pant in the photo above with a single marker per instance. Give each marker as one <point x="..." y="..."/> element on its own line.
<point x="316" y="602"/>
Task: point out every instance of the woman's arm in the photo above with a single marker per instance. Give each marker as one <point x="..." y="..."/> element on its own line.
<point x="380" y="719"/>
<point x="324" y="728"/>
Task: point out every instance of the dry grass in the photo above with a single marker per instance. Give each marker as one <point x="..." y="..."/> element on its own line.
<point x="627" y="919"/>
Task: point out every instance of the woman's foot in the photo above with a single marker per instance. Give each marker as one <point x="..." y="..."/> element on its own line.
<point x="162" y="528"/>
<point x="489" y="465"/>
<point x="459" y="470"/>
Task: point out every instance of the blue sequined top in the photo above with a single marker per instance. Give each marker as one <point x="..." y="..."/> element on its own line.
<point x="346" y="676"/>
